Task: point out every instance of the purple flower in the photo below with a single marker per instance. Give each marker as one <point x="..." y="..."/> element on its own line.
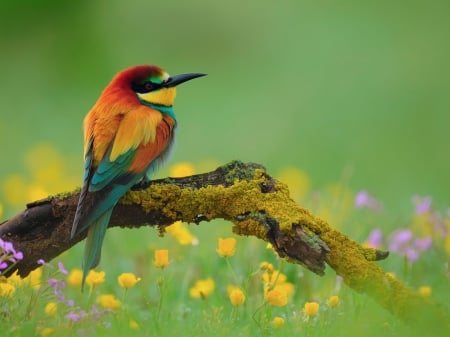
<point x="77" y="314"/>
<point x="8" y="254"/>
<point x="97" y="314"/>
<point x="423" y="244"/>
<point x="41" y="262"/>
<point x="55" y="284"/>
<point x="59" y="295"/>
<point x="364" y="199"/>
<point x="62" y="269"/>
<point x="399" y="239"/>
<point x="423" y="204"/>
<point x="18" y="255"/>
<point x="58" y="286"/>
<point x="375" y="238"/>
<point x="404" y="243"/>
<point x="76" y="317"/>
<point x="411" y="254"/>
<point x="8" y="247"/>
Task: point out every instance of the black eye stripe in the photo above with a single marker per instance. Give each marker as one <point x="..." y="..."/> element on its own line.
<point x="144" y="87"/>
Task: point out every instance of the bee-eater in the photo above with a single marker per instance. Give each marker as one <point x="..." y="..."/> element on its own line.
<point x="127" y="134"/>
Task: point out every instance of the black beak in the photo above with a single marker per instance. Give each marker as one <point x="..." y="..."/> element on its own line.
<point x="178" y="79"/>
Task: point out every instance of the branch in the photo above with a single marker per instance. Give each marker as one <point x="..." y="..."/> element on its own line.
<point x="243" y="194"/>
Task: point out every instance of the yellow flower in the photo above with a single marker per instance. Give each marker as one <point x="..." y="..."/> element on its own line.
<point x="182" y="169"/>
<point x="425" y="291"/>
<point x="276" y="288"/>
<point x="227" y="247"/>
<point x="127" y="280"/>
<point x="333" y="301"/>
<point x="51" y="308"/>
<point x="274" y="277"/>
<point x="287" y="287"/>
<point x="236" y="295"/>
<point x="278" y="321"/>
<point x="16" y="280"/>
<point x="181" y="233"/>
<point x="6" y="289"/>
<point x="311" y="308"/>
<point x="108" y="301"/>
<point x="133" y="324"/>
<point x="202" y="288"/>
<point x="277" y="297"/>
<point x="161" y="258"/>
<point x="74" y="278"/>
<point x="34" y="278"/>
<point x="266" y="266"/>
<point x="47" y="332"/>
<point x="95" y="278"/>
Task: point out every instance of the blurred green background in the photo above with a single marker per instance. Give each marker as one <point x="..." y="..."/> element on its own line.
<point x="348" y="88"/>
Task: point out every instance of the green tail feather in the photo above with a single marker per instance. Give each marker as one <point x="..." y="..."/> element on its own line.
<point x="93" y="245"/>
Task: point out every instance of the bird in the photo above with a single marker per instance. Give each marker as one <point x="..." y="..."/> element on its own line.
<point x="128" y="134"/>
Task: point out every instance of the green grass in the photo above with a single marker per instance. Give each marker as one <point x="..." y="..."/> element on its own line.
<point x="160" y="303"/>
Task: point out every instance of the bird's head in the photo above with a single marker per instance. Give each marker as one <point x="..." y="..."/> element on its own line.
<point x="152" y="84"/>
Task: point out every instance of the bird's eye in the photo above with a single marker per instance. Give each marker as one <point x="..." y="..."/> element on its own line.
<point x="148" y="86"/>
<point x="144" y="87"/>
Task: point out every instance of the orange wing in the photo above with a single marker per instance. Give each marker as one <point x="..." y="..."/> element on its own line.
<point x="147" y="153"/>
